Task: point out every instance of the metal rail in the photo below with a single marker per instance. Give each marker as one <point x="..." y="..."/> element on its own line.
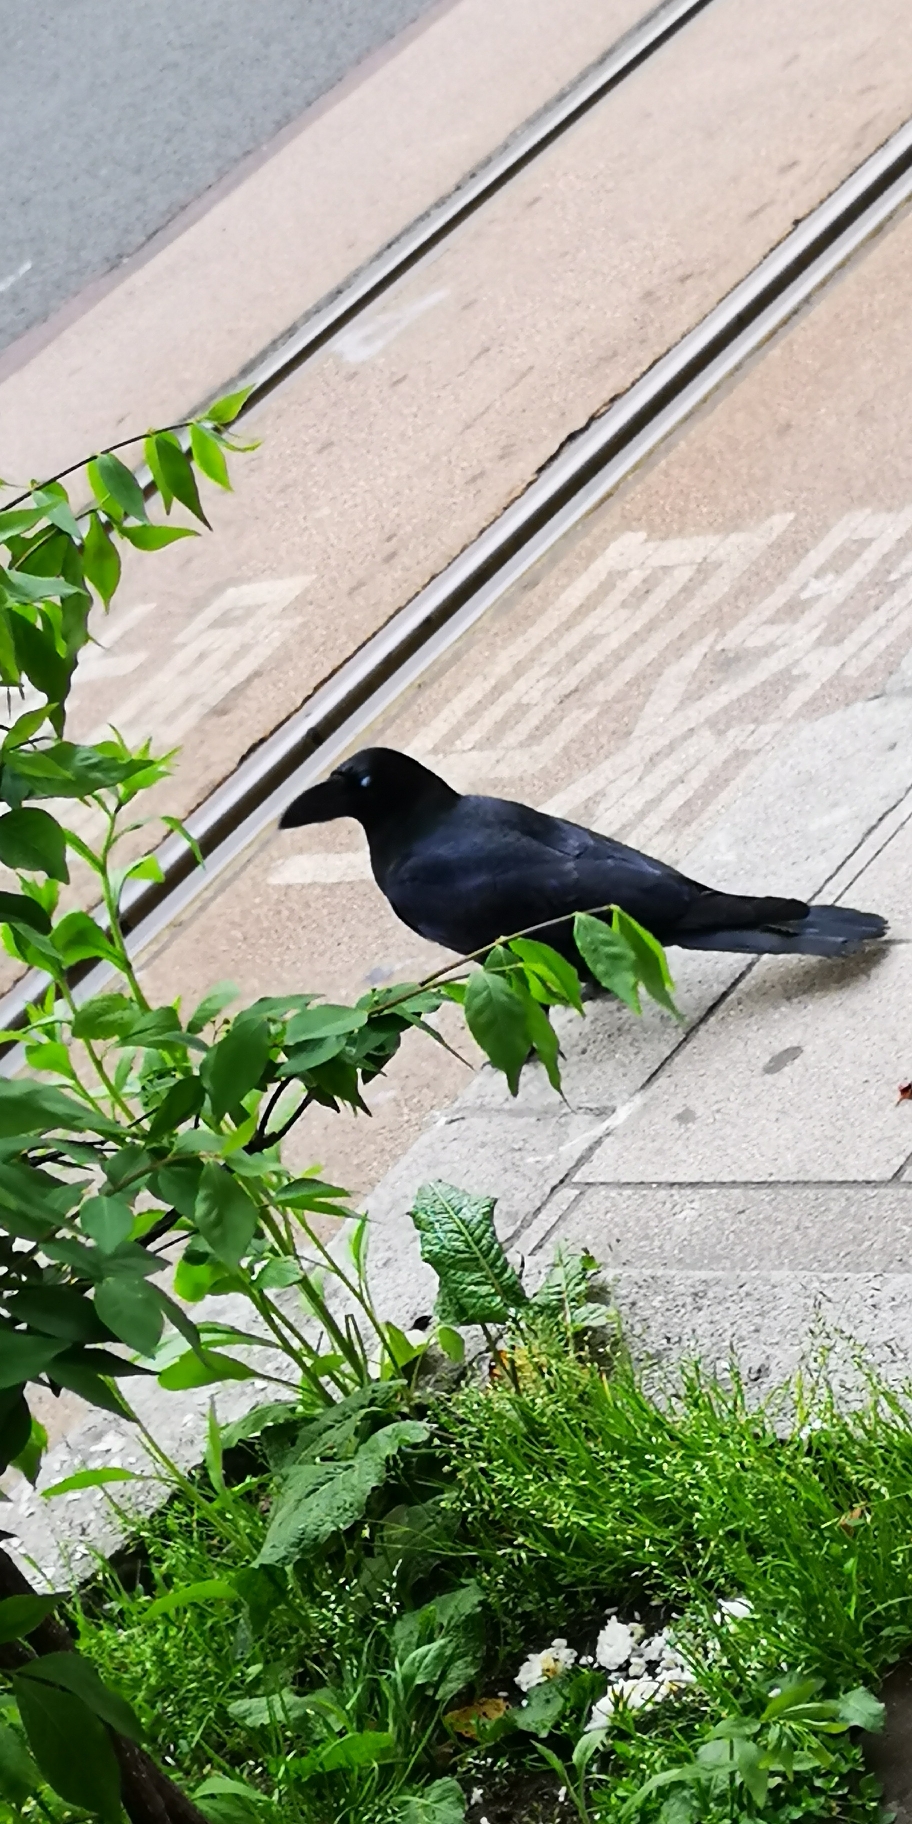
<point x="580" y="477"/>
<point x="333" y="313"/>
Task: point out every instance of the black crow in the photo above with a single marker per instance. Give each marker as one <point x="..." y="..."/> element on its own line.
<point x="464" y="871"/>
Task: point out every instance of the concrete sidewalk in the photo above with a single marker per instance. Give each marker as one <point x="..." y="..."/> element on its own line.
<point x="742" y="1178"/>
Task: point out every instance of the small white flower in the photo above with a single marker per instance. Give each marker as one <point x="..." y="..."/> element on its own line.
<point x="550" y="1663"/>
<point x="655" y="1646"/>
<point x="477" y="1796"/>
<point x="736" y="1609"/>
<point x="614" y="1644"/>
<point x="637" y="1632"/>
<point x="636" y="1665"/>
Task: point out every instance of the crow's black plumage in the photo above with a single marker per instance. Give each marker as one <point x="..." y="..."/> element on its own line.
<point x="464" y="871"/>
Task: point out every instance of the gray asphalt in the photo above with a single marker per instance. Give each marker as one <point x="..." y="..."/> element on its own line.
<point x="112" y="119"/>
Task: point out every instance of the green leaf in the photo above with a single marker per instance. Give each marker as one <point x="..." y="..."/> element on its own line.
<point x="228" y="1801"/>
<point x="58" y="1311"/>
<point x="23" y="1357"/>
<point x="105" y="1016"/>
<point x="108" y="1220"/>
<point x="71" y="1746"/>
<point x="183" y="1100"/>
<point x="122" y="485"/>
<point x="101" y="559"/>
<point x="70" y="1672"/>
<point x="77" y="937"/>
<point x="861" y="1710"/>
<point x="37" y="1108"/>
<point x="324" y="1021"/>
<point x="497" y="1019"/>
<point x="154" y="538"/>
<point x="21" y="1615"/>
<point x="226" y="1215"/>
<point x="212" y="1005"/>
<point x="235" y="1065"/>
<point x="458" y="1239"/>
<point x="650" y="960"/>
<point x="451" y="1343"/>
<point x="90" y="1478"/>
<point x="317" y="1500"/>
<point x="565" y="1288"/>
<point x="130" y="1308"/>
<point x="226" y="409"/>
<point x="19" y="1776"/>
<point x="210" y="1589"/>
<point x="543" y="1706"/>
<point x="203" y="1369"/>
<point x="173" y="474"/>
<point x="209" y="455"/>
<point x="26" y="589"/>
<point x="443" y="1802"/>
<point x="17" y="909"/>
<point x="33" y="840"/>
<point x="28" y="1460"/>
<point x="552" y="969"/>
<point x="97" y="1389"/>
<point x="609" y="957"/>
<point x="364" y="1749"/>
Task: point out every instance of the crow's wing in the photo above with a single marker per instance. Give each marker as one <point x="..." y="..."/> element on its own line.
<point x="490" y="868"/>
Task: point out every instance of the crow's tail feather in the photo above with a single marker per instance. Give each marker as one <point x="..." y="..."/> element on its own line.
<point x="824" y="931"/>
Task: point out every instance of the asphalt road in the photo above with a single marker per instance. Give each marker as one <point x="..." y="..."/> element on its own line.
<point x="111" y="121"/>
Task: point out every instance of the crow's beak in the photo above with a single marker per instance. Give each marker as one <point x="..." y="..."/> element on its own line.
<point x="322" y="804"/>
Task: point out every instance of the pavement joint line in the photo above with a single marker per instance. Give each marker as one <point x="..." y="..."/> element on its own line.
<point x="742" y="1184"/>
<point x="579" y="478"/>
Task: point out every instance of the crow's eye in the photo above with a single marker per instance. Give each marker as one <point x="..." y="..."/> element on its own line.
<point x="365" y="779"/>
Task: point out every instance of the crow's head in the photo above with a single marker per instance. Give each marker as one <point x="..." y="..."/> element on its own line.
<point x="376" y="786"/>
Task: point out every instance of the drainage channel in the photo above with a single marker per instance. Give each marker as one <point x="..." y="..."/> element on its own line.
<point x="576" y="481"/>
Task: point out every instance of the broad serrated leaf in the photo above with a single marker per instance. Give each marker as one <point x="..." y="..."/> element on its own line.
<point x="34" y="841"/>
<point x="71" y="1746"/>
<point x="317" y="1500"/>
<point x="860" y="1709"/>
<point x="459" y="1240"/>
<point x="366" y="1748"/>
<point x="497" y="1018"/>
<point x="443" y="1802"/>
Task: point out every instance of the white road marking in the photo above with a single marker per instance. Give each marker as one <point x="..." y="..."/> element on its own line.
<point x="12" y="278"/>
<point x="320" y="870"/>
<point x="361" y="341"/>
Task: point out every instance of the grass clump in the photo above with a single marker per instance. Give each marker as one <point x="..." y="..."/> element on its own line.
<point x="293" y="1662"/>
